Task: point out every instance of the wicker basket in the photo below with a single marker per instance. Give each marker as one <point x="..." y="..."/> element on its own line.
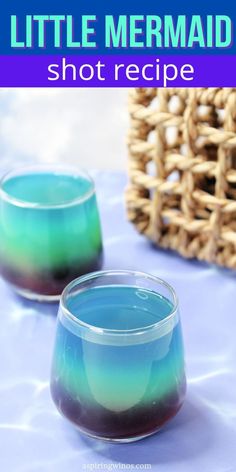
<point x="182" y="167"/>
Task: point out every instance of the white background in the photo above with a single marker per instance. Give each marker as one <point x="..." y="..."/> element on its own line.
<point x="84" y="126"/>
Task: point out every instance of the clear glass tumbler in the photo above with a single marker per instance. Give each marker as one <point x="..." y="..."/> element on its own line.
<point x="118" y="365"/>
<point x="49" y="229"/>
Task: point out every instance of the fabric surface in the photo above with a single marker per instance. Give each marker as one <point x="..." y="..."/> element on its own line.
<point x="34" y="437"/>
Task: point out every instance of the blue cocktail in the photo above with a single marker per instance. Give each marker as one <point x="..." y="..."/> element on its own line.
<point x="118" y="365"/>
<point x="49" y="229"/>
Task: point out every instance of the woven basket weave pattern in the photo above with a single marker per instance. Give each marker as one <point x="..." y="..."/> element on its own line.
<point x="182" y="167"/>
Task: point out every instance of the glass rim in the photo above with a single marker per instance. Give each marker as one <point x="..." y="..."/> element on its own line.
<point x="55" y="167"/>
<point x="118" y="332"/>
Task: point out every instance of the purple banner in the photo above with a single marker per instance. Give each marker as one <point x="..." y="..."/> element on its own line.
<point x="117" y="71"/>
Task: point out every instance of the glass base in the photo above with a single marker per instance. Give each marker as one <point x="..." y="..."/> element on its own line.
<point x="118" y="440"/>
<point x="37" y="297"/>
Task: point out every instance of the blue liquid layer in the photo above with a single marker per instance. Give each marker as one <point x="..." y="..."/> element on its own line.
<point x="119" y="385"/>
<point x="47" y="188"/>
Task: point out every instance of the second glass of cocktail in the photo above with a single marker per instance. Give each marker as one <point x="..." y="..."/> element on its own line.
<point x="49" y="229"/>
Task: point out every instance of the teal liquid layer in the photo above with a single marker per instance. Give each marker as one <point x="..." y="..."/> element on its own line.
<point x="40" y="242"/>
<point x="118" y="374"/>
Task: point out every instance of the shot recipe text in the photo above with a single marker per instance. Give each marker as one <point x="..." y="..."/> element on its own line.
<point x="155" y="72"/>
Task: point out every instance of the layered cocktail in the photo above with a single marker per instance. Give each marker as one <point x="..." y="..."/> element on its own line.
<point x="49" y="229"/>
<point x="118" y="364"/>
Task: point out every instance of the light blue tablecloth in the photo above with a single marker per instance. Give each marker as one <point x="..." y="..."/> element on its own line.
<point x="201" y="438"/>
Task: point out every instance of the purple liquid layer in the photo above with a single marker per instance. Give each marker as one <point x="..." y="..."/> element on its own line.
<point x="49" y="282"/>
<point x="137" y="421"/>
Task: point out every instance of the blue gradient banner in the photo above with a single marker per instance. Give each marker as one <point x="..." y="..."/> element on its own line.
<point x="120" y="44"/>
<point x="187" y="19"/>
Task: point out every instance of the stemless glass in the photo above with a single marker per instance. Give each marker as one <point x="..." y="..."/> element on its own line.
<point x="118" y="364"/>
<point x="49" y="229"/>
